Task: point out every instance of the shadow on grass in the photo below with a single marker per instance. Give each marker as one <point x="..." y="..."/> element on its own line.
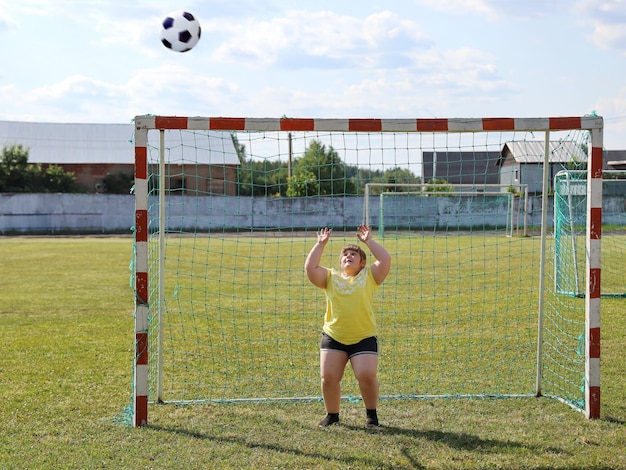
<point x="463" y="442"/>
<point x="613" y="420"/>
<point x="460" y="441"/>
<point x="281" y="447"/>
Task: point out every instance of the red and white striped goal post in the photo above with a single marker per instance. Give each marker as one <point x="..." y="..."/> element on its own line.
<point x="593" y="124"/>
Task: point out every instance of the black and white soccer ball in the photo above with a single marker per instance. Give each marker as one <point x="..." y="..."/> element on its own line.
<point x="180" y="31"/>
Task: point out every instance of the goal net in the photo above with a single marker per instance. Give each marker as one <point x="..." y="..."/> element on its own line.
<point x="570" y="220"/>
<point x="228" y="208"/>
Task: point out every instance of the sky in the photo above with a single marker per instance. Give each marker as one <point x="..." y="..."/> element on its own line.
<point x="101" y="61"/>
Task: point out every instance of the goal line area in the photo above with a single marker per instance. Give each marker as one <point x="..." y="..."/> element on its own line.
<point x="228" y="208"/>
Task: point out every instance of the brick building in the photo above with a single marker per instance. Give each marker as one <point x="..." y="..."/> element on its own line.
<point x="95" y="151"/>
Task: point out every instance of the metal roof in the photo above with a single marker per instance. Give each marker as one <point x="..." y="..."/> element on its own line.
<point x="525" y="151"/>
<point x="60" y="143"/>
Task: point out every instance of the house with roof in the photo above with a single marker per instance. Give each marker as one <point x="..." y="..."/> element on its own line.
<point x="95" y="151"/>
<point x="518" y="162"/>
<point x="521" y="162"/>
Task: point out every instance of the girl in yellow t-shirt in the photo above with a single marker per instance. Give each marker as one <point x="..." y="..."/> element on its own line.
<point x="349" y="331"/>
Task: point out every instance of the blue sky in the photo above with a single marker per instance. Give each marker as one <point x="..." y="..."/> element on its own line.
<point x="102" y="60"/>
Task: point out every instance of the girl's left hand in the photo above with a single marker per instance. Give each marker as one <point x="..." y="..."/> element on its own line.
<point x="363" y="233"/>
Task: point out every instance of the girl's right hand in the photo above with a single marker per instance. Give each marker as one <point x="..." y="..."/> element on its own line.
<point x="323" y="235"/>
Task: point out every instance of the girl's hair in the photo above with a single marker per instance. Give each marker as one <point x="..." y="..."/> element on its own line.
<point x="355" y="248"/>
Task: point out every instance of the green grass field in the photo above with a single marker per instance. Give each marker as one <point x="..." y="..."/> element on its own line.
<point x="66" y="350"/>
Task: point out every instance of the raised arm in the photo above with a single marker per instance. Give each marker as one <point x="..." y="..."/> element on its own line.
<point x="380" y="268"/>
<point x="316" y="273"/>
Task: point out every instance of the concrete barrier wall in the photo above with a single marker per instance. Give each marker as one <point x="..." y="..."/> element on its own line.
<point x="101" y="213"/>
<point x="54" y="213"/>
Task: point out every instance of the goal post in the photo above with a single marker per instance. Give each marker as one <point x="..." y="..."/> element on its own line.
<point x="490" y="206"/>
<point x="226" y="210"/>
<point x="570" y="214"/>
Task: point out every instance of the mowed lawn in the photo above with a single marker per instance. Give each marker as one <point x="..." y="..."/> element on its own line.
<point x="66" y="351"/>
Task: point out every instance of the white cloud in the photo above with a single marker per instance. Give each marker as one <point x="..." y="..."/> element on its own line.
<point x="6" y="22"/>
<point x="481" y="7"/>
<point x="609" y="22"/>
<point x="165" y="90"/>
<point x="176" y="89"/>
<point x="499" y="9"/>
<point x="322" y="39"/>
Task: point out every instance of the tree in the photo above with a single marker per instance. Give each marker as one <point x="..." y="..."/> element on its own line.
<point x="262" y="178"/>
<point x="328" y="169"/>
<point x="302" y="183"/>
<point x="57" y="180"/>
<point x="399" y="175"/>
<point x="362" y="176"/>
<point x="438" y="185"/>
<point x="19" y="176"/>
<point x="239" y="148"/>
<point x="119" y="183"/>
<point x="259" y="177"/>
<point x="16" y="174"/>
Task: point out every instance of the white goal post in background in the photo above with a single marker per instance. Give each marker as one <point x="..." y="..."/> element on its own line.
<point x="195" y="289"/>
<point x="458" y="201"/>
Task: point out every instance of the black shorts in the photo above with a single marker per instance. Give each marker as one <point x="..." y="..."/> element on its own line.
<point x="365" y="346"/>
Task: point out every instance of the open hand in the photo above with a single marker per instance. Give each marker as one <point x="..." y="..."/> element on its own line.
<point x="363" y="233"/>
<point x="323" y="235"/>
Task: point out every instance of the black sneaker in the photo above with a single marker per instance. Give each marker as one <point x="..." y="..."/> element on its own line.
<point x="372" y="418"/>
<point x="329" y="420"/>
<point x="371" y="422"/>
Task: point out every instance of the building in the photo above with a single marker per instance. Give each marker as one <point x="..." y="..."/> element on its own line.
<point x="521" y="162"/>
<point x="461" y="167"/>
<point x="615" y="160"/>
<point x="94" y="152"/>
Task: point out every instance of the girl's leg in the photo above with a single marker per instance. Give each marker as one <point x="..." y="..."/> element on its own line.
<point x="365" y="367"/>
<point x="332" y="366"/>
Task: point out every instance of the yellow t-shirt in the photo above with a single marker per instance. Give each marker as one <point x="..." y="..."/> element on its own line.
<point x="349" y="306"/>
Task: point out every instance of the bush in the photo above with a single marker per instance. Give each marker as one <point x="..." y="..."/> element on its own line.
<point x="17" y="175"/>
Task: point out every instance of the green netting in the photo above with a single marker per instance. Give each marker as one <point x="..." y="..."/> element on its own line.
<point x="233" y="317"/>
<point x="570" y="219"/>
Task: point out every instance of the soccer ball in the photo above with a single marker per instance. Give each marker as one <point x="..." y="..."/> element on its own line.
<point x="180" y="31"/>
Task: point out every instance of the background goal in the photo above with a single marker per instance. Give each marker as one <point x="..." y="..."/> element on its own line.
<point x="570" y="220"/>
<point x="410" y="206"/>
<point x="228" y="208"/>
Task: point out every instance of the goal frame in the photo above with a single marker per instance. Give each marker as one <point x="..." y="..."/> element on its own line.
<point x="461" y="190"/>
<point x="593" y="124"/>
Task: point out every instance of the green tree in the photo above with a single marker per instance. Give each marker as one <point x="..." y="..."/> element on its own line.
<point x="302" y="183"/>
<point x="239" y="148"/>
<point x="262" y="178"/>
<point x="57" y="180"/>
<point x="259" y="177"/>
<point x="399" y="175"/>
<point x="17" y="175"/>
<point x="119" y="183"/>
<point x="362" y="176"/>
<point x="438" y="185"/>
<point x="330" y="172"/>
